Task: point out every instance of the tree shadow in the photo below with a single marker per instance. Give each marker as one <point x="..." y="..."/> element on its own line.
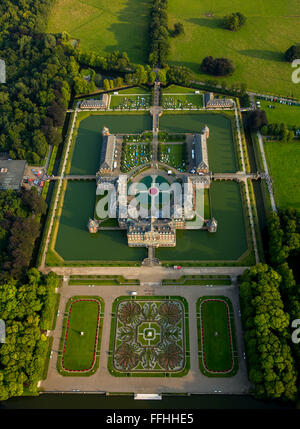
<point x="130" y="33"/>
<point x="208" y="22"/>
<point x="263" y="54"/>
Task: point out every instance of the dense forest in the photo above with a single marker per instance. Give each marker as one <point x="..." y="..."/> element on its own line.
<point x="27" y="309"/>
<point x="270" y="300"/>
<point x="19" y="228"/>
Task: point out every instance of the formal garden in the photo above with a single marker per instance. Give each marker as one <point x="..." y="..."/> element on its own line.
<point x="149" y="337"/>
<point x="216" y="337"/>
<point x="79" y="349"/>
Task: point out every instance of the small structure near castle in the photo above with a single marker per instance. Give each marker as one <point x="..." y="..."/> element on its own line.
<point x="92" y="226"/>
<point x="212" y="225"/>
<point x="217" y="103"/>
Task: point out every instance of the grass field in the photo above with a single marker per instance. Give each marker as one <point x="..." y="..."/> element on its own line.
<point x="173" y="154"/>
<point x="183" y="101"/>
<point x="257" y="49"/>
<point x="79" y="350"/>
<point x="283" y="161"/>
<point x="221" y="151"/>
<point x="129" y="102"/>
<point x="135" y="154"/>
<point x="176" y="89"/>
<point x="290" y="115"/>
<point x="104" y="26"/>
<point x="86" y="156"/>
<point x="216" y="336"/>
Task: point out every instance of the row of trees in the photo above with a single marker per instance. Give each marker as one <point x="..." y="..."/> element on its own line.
<point x="27" y="310"/>
<point x="271" y="364"/>
<point x="159" y="34"/>
<point x="279" y="130"/>
<point x="19" y="229"/>
<point x="284" y="253"/>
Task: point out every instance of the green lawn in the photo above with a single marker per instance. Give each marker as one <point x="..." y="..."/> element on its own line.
<point x="290" y="115"/>
<point x="283" y="161"/>
<point x="173" y="154"/>
<point x="176" y="89"/>
<point x="221" y="151"/>
<point x="215" y="336"/>
<point x="104" y="26"/>
<point x="130" y="101"/>
<point x="137" y="90"/>
<point x="135" y="154"/>
<point x="257" y="50"/>
<point x="79" y="349"/>
<point x="86" y="156"/>
<point x="184" y="101"/>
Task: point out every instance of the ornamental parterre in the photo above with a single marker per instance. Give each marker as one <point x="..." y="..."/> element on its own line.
<point x="149" y="336"/>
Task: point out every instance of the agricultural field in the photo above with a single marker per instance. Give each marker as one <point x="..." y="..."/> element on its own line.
<point x="173" y="154"/>
<point x="81" y="336"/>
<point x="130" y="102"/>
<point x="290" y="115"/>
<point x="216" y="336"/>
<point x="104" y="26"/>
<point x="183" y="101"/>
<point x="283" y="162"/>
<point x="257" y="49"/>
<point x="149" y="336"/>
<point x="134" y="155"/>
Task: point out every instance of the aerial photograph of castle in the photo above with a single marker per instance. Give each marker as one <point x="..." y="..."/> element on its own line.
<point x="150" y="207"/>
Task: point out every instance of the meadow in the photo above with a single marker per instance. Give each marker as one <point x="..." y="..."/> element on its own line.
<point x="257" y="49"/>
<point x="283" y="161"/>
<point x="290" y="115"/>
<point x="104" y="26"/>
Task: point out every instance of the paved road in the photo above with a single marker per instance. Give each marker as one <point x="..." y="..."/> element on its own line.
<point x="194" y="381"/>
<point x="268" y="179"/>
<point x="147" y="274"/>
